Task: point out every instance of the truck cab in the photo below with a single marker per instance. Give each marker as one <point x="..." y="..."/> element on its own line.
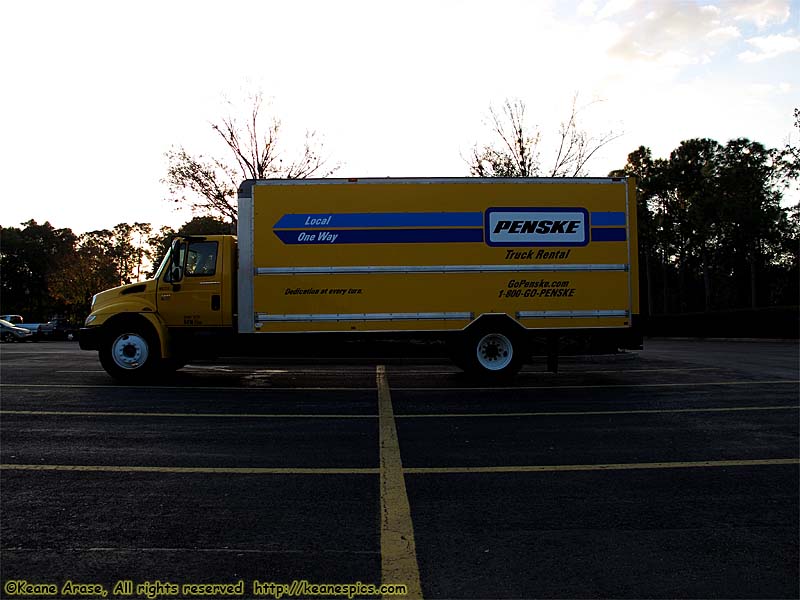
<point x="153" y="325"/>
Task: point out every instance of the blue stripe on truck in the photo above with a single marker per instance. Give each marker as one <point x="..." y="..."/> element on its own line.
<point x="366" y="220"/>
<point x="412" y="236"/>
<point x="608" y="219"/>
<point x="379" y="236"/>
<point x="608" y="234"/>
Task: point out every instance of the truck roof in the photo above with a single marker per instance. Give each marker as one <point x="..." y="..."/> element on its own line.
<point x="245" y="188"/>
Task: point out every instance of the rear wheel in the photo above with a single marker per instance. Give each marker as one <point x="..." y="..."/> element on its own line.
<point x="130" y="353"/>
<point x="493" y="352"/>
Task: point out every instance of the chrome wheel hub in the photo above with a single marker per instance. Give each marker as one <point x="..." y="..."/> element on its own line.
<point x="130" y="351"/>
<point x="495" y="352"/>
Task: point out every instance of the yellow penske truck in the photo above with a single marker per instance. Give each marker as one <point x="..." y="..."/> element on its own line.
<point x="487" y="266"/>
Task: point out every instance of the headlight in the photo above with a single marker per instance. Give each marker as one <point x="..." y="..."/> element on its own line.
<point x="90" y="318"/>
<point x="94" y="299"/>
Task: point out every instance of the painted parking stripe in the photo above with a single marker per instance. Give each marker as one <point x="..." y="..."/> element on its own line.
<point x="660" y="370"/>
<point x="82" y="413"/>
<point x="398" y="548"/>
<point x="561" y="371"/>
<point x="406" y="470"/>
<point x="452" y="371"/>
<point x="597" y="412"/>
<point x="190" y="550"/>
<point x="194" y="470"/>
<point x="599" y="386"/>
<point x="405" y="389"/>
<point x="243" y="388"/>
<point x="604" y="467"/>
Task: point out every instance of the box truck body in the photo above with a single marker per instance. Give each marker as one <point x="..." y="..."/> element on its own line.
<point x="486" y="263"/>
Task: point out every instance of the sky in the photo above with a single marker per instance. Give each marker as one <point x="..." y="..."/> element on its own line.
<point x="94" y="93"/>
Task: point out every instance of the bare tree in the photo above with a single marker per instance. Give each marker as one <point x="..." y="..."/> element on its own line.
<point x="256" y="146"/>
<point x="576" y="146"/>
<point x="517" y="147"/>
<point x="516" y="153"/>
<point x="207" y="185"/>
<point x="257" y="152"/>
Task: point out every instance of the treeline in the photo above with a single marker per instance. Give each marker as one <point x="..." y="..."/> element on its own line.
<point x="713" y="234"/>
<point x="47" y="272"/>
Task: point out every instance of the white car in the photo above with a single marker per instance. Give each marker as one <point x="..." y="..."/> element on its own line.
<point x="12" y="333"/>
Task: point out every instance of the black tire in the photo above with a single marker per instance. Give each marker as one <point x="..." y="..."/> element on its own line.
<point x="493" y="353"/>
<point x="130" y="353"/>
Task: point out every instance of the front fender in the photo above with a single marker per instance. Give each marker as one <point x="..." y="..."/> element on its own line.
<point x="111" y="315"/>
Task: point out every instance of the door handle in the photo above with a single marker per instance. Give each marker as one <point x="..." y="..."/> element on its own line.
<point x="209" y="283"/>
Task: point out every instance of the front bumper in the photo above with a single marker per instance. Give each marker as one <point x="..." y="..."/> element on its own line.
<point x="89" y="338"/>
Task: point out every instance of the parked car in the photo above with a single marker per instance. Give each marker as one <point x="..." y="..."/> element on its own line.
<point x="34" y="328"/>
<point x="13" y="333"/>
<point x="59" y="328"/>
<point x="16" y="320"/>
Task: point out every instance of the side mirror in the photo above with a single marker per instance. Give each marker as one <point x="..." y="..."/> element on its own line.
<point x="176" y="268"/>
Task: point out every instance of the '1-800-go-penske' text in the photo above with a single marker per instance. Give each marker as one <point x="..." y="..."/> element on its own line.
<point x="538" y="288"/>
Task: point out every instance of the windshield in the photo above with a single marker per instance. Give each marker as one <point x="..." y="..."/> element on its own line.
<point x="162" y="266"/>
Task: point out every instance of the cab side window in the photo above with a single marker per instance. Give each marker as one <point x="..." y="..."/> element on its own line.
<point x="201" y="259"/>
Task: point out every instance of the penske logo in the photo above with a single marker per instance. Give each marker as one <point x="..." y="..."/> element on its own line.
<point x="537" y="227"/>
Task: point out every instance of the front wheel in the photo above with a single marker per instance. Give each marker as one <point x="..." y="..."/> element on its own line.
<point x="130" y="354"/>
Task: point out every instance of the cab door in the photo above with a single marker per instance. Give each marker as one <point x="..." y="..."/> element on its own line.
<point x="193" y="296"/>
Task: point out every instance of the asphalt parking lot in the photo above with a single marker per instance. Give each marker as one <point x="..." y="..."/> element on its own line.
<point x="671" y="472"/>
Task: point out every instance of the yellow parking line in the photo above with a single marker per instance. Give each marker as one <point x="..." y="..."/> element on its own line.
<point x="605" y="467"/>
<point x="398" y="549"/>
<point x="662" y="370"/>
<point x="402" y="544"/>
<point x="593" y="412"/>
<point x="184" y="388"/>
<point x="598" y="386"/>
<point x="224" y="470"/>
<point x="83" y="413"/>
<point x="404" y="389"/>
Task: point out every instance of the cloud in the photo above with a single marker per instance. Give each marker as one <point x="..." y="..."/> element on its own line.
<point x="769" y="89"/>
<point x="761" y="13"/>
<point x="680" y="34"/>
<point x="587" y="8"/>
<point x="769" y="46"/>
<point x="724" y="34"/>
<point x="674" y="34"/>
<point x="614" y="7"/>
